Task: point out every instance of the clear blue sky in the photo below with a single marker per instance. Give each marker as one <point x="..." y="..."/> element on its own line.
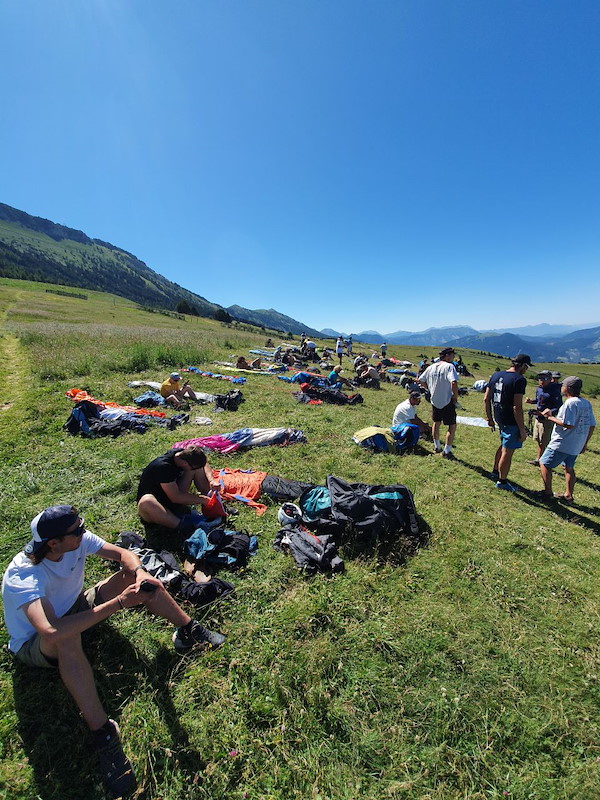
<point x="370" y="164"/>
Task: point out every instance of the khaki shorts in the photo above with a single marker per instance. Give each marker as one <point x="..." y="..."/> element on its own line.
<point x="30" y="653"/>
<point x="542" y="431"/>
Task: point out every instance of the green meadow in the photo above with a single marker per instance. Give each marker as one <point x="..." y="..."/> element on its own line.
<point x="465" y="667"/>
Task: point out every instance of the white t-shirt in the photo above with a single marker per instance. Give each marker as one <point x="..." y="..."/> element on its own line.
<point x="339" y="347"/>
<point x="59" y="581"/>
<point x="574" y="411"/>
<point x="405" y="412"/>
<point x="439" y="378"/>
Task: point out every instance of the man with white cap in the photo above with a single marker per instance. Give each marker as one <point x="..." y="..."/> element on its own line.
<point x="174" y="393"/>
<point x="574" y="425"/>
<point x="46" y="611"/>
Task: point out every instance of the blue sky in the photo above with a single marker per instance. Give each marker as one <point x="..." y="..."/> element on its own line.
<point x="357" y="165"/>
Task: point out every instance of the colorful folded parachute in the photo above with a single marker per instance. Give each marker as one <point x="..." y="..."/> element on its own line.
<point x="246" y="437"/>
<point x="77" y="395"/>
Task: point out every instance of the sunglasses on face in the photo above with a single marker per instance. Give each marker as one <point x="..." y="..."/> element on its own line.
<point x="80" y="530"/>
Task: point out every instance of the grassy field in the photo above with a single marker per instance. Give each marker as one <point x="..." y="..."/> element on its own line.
<point x="467" y="669"/>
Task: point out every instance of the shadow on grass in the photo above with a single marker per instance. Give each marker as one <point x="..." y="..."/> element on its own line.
<point x="567" y="512"/>
<point x="56" y="739"/>
<point x="392" y="548"/>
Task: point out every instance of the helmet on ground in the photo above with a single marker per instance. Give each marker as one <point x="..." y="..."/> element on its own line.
<point x="288" y="514"/>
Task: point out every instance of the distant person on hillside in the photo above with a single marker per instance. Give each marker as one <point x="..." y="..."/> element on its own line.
<point x="339" y="349"/>
<point x="176" y="393"/>
<point x="269" y="343"/>
<point x="406" y="411"/>
<point x="241" y="363"/>
<point x="383" y="349"/>
<point x="368" y="376"/>
<point x="311" y="350"/>
<point x="336" y="380"/>
<point x="574" y="425"/>
<point x="547" y="396"/>
<point x="164" y="493"/>
<point x="288" y="358"/>
<point x="46" y="610"/>
<point x="504" y="407"/>
<point x="441" y="380"/>
<point x="349" y="347"/>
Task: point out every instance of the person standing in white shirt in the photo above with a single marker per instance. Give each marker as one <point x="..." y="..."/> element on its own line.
<point x="574" y="425"/>
<point x="441" y="380"/>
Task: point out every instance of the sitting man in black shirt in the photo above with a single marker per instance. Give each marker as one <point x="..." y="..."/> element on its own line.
<point x="164" y="495"/>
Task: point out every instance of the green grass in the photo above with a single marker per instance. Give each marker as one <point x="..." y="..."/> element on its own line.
<point x="467" y="669"/>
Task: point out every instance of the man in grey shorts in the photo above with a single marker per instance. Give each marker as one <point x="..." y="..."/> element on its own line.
<point x="46" y="610"/>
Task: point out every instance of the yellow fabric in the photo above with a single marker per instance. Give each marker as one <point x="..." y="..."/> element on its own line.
<point x="168" y="387"/>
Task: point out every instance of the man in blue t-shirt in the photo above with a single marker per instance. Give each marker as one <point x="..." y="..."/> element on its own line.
<point x="547" y="396"/>
<point x="504" y="396"/>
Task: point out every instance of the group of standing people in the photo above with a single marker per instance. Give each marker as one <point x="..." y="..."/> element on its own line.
<point x="562" y="429"/>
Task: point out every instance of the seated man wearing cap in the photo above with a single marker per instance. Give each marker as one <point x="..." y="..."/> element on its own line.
<point x="164" y="496"/>
<point x="547" y="396"/>
<point x="441" y="380"/>
<point x="406" y="411"/>
<point x="504" y="397"/>
<point x="574" y="425"/>
<point x="46" y="611"/>
<point x="174" y="393"/>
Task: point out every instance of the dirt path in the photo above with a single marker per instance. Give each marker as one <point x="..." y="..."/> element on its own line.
<point x="13" y="363"/>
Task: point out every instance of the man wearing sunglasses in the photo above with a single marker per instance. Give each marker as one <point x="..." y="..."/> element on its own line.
<point x="46" y="610"/>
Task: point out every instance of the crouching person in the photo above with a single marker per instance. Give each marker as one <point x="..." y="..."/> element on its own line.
<point x="165" y="490"/>
<point x="46" y="611"/>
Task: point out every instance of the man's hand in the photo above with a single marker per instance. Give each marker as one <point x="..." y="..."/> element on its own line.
<point x="131" y="596"/>
<point x="491" y="424"/>
<point x="547" y="412"/>
<point x="141" y="575"/>
<point x="524" y="433"/>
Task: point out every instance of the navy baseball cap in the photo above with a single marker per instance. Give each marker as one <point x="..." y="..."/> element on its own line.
<point x="51" y="523"/>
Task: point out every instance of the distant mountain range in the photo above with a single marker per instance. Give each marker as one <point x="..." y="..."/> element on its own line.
<point x="33" y="248"/>
<point x="575" y="345"/>
<point x="269" y="318"/>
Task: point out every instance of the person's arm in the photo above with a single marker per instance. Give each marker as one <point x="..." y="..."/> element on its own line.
<point x="487" y="399"/>
<point x="454" y="386"/>
<point x="589" y="436"/>
<point x="547" y="414"/>
<point x="129" y="562"/>
<point x="212" y="481"/>
<point x="175" y="495"/>
<point x="518" y="412"/>
<point x="42" y="616"/>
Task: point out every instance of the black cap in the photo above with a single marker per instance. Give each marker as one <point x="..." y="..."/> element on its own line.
<point x="544" y="375"/>
<point x="447" y="350"/>
<point x="51" y="523"/>
<point x="522" y="358"/>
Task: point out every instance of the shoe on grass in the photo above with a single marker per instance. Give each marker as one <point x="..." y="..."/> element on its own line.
<point x="495" y="475"/>
<point x="508" y="487"/>
<point x="438" y="449"/>
<point x="450" y="456"/>
<point x="114" y="766"/>
<point x="190" y="636"/>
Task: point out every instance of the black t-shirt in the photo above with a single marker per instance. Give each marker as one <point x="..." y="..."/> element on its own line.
<point x="504" y="386"/>
<point x="162" y="470"/>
